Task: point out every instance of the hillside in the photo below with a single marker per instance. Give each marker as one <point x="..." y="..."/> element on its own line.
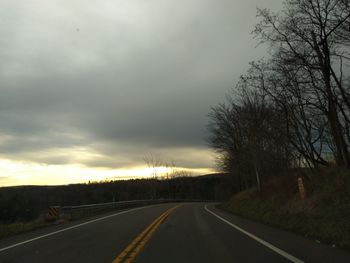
<point x="324" y="214"/>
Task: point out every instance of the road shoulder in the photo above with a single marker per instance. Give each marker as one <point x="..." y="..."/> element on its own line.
<point x="300" y="247"/>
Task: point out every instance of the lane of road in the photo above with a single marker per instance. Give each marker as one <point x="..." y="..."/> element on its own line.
<point x="194" y="235"/>
<point x="99" y="241"/>
<point x="161" y="233"/>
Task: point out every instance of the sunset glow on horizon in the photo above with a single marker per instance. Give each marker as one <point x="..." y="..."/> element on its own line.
<point x="25" y="173"/>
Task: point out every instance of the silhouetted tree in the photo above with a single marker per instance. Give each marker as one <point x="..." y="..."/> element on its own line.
<point x="250" y="137"/>
<point x="310" y="40"/>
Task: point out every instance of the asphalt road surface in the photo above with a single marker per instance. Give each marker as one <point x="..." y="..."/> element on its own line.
<point x="192" y="232"/>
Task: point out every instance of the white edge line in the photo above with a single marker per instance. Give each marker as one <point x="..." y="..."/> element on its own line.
<point x="263" y="242"/>
<point x="72" y="227"/>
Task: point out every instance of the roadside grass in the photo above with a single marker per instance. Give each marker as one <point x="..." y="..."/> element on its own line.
<point x="11" y="229"/>
<point x="324" y="214"/>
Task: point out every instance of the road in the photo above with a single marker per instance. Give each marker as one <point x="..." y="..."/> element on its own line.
<point x="194" y="232"/>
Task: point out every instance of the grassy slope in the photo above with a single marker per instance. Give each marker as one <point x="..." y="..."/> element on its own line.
<point x="324" y="215"/>
<point x="19" y="227"/>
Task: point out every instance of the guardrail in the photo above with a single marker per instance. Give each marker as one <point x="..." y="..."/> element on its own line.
<point x="72" y="212"/>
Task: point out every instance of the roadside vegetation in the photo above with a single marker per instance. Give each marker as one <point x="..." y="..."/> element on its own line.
<point x="20" y="227"/>
<point x="289" y="117"/>
<point x="323" y="216"/>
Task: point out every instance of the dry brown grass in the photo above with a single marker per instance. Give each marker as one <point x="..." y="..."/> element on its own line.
<point x="325" y="214"/>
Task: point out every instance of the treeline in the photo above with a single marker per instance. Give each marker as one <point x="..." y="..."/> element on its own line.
<point x="25" y="203"/>
<point x="291" y="109"/>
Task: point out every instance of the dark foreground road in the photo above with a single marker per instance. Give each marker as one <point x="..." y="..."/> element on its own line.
<point x="165" y="233"/>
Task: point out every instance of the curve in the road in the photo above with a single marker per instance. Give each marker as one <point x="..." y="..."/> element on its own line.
<point x="130" y="252"/>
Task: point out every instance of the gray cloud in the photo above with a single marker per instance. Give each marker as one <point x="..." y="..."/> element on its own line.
<point x="120" y="78"/>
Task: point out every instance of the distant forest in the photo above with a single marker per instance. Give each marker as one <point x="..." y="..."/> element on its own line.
<point x="25" y="203"/>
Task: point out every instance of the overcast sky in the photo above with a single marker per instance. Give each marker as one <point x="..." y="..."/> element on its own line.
<point x="88" y="88"/>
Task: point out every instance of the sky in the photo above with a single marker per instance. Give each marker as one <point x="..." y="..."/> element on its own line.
<point x="88" y="89"/>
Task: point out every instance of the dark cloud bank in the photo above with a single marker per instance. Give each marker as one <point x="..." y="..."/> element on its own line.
<point x="121" y="80"/>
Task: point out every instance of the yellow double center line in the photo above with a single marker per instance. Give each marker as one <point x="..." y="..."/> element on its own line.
<point x="130" y="252"/>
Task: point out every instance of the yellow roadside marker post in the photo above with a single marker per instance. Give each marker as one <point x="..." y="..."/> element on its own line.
<point x="301" y="188"/>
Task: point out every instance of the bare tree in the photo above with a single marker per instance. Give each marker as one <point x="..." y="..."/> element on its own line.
<point x="310" y="39"/>
<point x="304" y="121"/>
<point x="249" y="137"/>
<point x="154" y="163"/>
